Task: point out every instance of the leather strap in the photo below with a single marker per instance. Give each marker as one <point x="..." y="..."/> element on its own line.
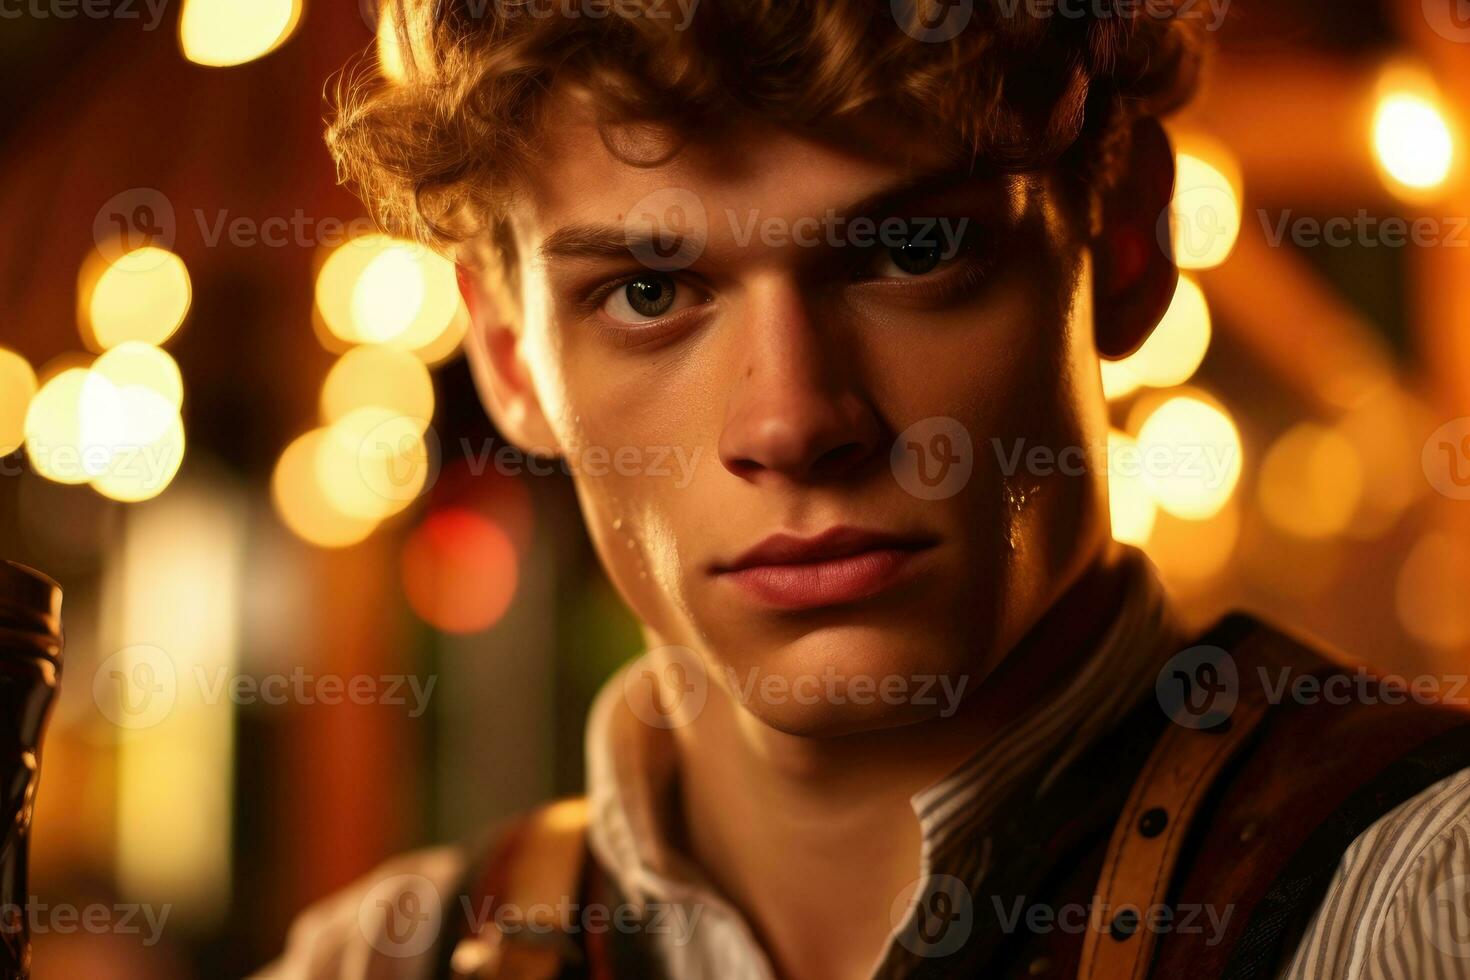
<point x="532" y="881"/>
<point x="1149" y="835"/>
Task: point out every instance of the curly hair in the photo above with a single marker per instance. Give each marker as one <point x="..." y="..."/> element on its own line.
<point x="438" y="154"/>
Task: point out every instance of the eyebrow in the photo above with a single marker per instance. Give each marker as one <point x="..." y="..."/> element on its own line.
<point x="604" y="241"/>
<point x="614" y="241"/>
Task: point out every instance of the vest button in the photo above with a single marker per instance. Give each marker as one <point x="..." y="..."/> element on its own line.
<point x="1039" y="966"/>
<point x="1153" y="822"/>
<point x="1125" y="924"/>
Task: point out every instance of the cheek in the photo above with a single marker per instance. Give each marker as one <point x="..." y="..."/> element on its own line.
<point x="632" y="526"/>
<point x="630" y="440"/>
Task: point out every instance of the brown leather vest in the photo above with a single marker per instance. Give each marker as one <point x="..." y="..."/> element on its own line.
<point x="1195" y="840"/>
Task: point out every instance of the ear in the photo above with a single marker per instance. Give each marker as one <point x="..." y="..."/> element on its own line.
<point x="1133" y="252"/>
<point x="493" y="345"/>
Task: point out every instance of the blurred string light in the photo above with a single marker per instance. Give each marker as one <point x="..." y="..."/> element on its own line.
<point x="373" y="462"/>
<point x="1130" y="501"/>
<point x="1413" y="141"/>
<point x="142" y="295"/>
<point x="1379" y="427"/>
<point x="1192" y="452"/>
<point x="302" y="502"/>
<point x="392" y="308"/>
<point x="223" y="33"/>
<point x="1172" y="353"/>
<point x="1431" y="592"/>
<point x="459" y="571"/>
<point x="380" y="290"/>
<point x="1206" y="211"/>
<point x="53" y="429"/>
<point x="378" y="377"/>
<point x="1196" y="552"/>
<point x="136" y="364"/>
<point x="114" y="425"/>
<point x="1311" y="482"/>
<point x="335" y="484"/>
<point x="17" y="387"/>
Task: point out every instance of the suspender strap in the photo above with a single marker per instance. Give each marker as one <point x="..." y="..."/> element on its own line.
<point x="530" y="889"/>
<point x="1281" y="916"/>
<point x="1146" y="842"/>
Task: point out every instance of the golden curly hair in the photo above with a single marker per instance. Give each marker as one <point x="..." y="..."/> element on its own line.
<point x="438" y="154"/>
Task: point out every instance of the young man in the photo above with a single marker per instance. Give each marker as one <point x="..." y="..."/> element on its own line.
<point x="907" y="710"/>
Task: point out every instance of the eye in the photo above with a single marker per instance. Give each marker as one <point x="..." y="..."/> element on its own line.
<point x="644" y="298"/>
<point x="916" y="258"/>
<point x="923" y="250"/>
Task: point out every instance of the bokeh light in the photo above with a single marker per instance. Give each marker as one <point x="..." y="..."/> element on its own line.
<point x="1192" y="454"/>
<point x="459" y="571"/>
<point x="135" y="363"/>
<point x="1130" y="500"/>
<point x="1206" y="211"/>
<point x="302" y="502"/>
<point x="372" y="463"/>
<point x="378" y="377"/>
<point x="134" y="437"/>
<point x="1412" y="140"/>
<point x="1311" y="480"/>
<point x="1172" y="353"/>
<point x="53" y="429"/>
<point x="380" y="290"/>
<point x="1432" y="585"/>
<point x="18" y="386"/>
<point x="144" y="295"/>
<point x="1196" y="552"/>
<point x="223" y="33"/>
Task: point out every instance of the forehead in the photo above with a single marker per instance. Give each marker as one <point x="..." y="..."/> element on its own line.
<point x="588" y="173"/>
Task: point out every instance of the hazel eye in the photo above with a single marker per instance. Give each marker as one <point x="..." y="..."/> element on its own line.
<point x="647" y="297"/>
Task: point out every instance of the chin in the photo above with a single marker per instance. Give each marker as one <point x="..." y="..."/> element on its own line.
<point x="854" y="677"/>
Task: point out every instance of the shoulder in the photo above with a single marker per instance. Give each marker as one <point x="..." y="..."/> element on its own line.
<point x="1399" y="904"/>
<point x="401" y="920"/>
<point x="385" y="924"/>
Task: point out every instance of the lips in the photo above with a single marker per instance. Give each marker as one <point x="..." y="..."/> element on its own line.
<point x="839" y="566"/>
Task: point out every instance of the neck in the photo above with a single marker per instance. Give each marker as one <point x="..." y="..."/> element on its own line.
<point x="802" y="833"/>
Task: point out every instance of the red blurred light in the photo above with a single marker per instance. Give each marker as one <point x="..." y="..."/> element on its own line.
<point x="460" y="571"/>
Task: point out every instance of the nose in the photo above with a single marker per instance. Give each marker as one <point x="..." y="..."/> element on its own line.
<point x="797" y="410"/>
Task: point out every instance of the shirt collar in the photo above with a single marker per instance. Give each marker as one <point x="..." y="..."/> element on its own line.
<point x="631" y="765"/>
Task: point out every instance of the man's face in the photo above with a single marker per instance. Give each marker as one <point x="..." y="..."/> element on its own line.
<point x="770" y="427"/>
